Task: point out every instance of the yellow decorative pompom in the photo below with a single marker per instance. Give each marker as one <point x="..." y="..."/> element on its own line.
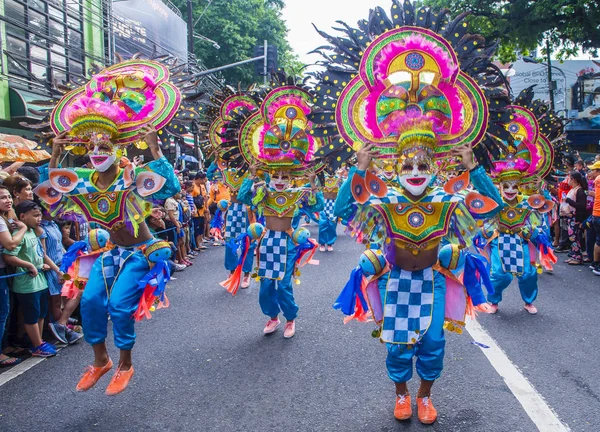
<point x="142" y="145"/>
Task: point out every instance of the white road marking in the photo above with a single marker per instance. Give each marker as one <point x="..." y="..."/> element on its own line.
<point x="19" y="369"/>
<point x="533" y="403"/>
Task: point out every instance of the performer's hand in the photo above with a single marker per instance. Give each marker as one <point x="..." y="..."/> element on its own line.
<point x="465" y="153"/>
<point x="364" y="157"/>
<point x="312" y="177"/>
<point x="148" y="134"/>
<point x="59" y="142"/>
<point x="253" y="168"/>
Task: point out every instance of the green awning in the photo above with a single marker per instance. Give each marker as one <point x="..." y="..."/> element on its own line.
<point x="21" y="101"/>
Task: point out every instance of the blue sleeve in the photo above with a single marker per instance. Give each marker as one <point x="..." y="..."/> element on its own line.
<point x="344" y="203"/>
<point x="163" y="168"/>
<point x="484" y="185"/>
<point x="319" y="205"/>
<point x="245" y="194"/>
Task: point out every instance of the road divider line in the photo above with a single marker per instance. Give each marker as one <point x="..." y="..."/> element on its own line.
<point x="533" y="403"/>
<point x="19" y="369"/>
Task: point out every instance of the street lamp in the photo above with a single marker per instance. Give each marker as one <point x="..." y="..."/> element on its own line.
<point x="527" y="59"/>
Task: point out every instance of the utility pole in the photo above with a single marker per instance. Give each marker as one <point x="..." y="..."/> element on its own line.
<point x="265" y="63"/>
<point x="190" y="25"/>
<point x="550" y="83"/>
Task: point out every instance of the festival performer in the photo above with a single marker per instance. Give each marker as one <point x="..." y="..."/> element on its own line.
<point x="225" y="115"/>
<point x="517" y="232"/>
<point x="277" y="141"/>
<point x="217" y="194"/>
<point x="327" y="221"/>
<point x="412" y="102"/>
<point x="121" y="105"/>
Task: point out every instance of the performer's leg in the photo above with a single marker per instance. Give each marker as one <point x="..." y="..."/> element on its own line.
<point x="285" y="290"/>
<point x="267" y="298"/>
<point x="430" y="350"/>
<point x="249" y="261"/>
<point x="323" y="232"/>
<point x="528" y="281"/>
<point x="332" y="229"/>
<point x="94" y="313"/>
<point x="400" y="365"/>
<point x="123" y="302"/>
<point x="231" y="259"/>
<point x="500" y="279"/>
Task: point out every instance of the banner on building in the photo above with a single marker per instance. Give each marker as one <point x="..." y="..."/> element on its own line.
<point x="149" y="27"/>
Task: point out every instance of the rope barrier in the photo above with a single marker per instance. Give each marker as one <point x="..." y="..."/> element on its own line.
<point x="18" y="274"/>
<point x="163" y="231"/>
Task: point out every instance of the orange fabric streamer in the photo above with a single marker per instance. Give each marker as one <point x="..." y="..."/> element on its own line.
<point x="69" y="290"/>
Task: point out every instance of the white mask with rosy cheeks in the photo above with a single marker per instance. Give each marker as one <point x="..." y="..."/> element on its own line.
<point x="509" y="190"/>
<point x="103" y="157"/>
<point x="279" y="183"/>
<point x="415" y="175"/>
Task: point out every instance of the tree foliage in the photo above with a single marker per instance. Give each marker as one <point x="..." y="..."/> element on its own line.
<point x="238" y="26"/>
<point x="523" y="25"/>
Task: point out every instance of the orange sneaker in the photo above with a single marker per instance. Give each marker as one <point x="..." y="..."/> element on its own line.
<point x="119" y="381"/>
<point x="91" y="376"/>
<point x="427" y="413"/>
<point x="403" y="409"/>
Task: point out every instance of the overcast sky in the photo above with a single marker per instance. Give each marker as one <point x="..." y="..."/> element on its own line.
<point x="301" y="14"/>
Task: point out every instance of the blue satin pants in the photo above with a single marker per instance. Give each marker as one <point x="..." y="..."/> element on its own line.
<point x="528" y="285"/>
<point x="231" y="259"/>
<point x="121" y="304"/>
<point x="429" y="351"/>
<point x="327" y="230"/>
<point x="278" y="295"/>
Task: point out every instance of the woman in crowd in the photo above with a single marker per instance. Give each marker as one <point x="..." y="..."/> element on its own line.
<point x="20" y="189"/>
<point x="573" y="206"/>
<point x="7" y="242"/>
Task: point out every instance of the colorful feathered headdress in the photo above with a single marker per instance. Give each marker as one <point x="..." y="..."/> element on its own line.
<point x="416" y="78"/>
<point x="116" y="103"/>
<point x="537" y="133"/>
<point x="279" y="135"/>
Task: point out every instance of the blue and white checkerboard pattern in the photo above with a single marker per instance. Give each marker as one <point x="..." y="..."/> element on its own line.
<point x="328" y="210"/>
<point x="511" y="253"/>
<point x="112" y="261"/>
<point x="408" y="306"/>
<point x="273" y="255"/>
<point x="235" y="222"/>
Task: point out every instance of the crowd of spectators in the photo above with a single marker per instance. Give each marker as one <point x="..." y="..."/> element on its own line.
<point x="35" y="318"/>
<point x="577" y="228"/>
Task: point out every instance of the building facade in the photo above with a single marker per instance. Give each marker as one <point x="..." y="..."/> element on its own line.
<point x="44" y="43"/>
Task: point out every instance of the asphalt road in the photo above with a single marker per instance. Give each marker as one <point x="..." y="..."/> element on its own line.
<point x="204" y="365"/>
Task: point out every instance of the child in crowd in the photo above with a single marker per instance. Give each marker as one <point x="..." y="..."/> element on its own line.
<point x="31" y="289"/>
<point x="51" y="240"/>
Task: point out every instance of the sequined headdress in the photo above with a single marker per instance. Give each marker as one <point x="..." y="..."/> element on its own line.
<point x="279" y="135"/>
<point x="537" y="137"/>
<point x="415" y="79"/>
<point x="115" y="104"/>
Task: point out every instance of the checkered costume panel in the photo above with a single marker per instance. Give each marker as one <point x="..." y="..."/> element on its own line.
<point x="236" y="220"/>
<point x="112" y="261"/>
<point x="511" y="252"/>
<point x="328" y="210"/>
<point x="273" y="255"/>
<point x="408" y="306"/>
